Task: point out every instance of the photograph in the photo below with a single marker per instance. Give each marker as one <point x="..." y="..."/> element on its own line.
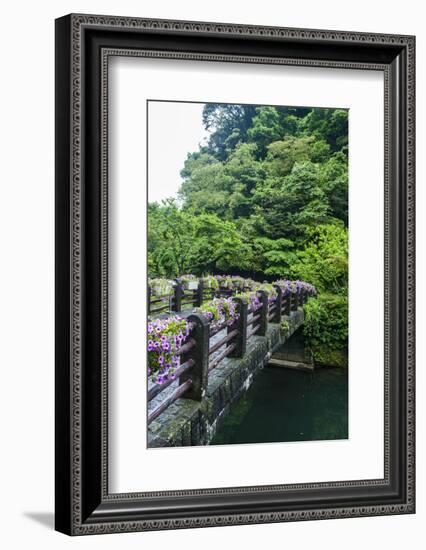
<point x="248" y="261"/>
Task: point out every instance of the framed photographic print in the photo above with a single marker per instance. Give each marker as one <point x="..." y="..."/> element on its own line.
<point x="234" y="274"/>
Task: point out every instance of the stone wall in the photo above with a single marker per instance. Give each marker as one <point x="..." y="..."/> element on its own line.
<point x="188" y="422"/>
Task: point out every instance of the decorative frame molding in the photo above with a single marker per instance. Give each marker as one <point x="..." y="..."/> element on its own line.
<point x="84" y="44"/>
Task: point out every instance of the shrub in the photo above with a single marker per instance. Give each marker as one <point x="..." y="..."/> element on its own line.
<point x="326" y="329"/>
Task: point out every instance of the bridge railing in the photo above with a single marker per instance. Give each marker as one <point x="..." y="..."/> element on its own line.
<point x="180" y="298"/>
<point x="184" y="296"/>
<point x="159" y="304"/>
<point x="203" y="351"/>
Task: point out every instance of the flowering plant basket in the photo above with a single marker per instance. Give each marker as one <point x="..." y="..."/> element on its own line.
<point x="252" y="298"/>
<point x="231" y="282"/>
<point x="211" y="282"/>
<point x="238" y="282"/>
<point x="219" y="311"/>
<point x="249" y="284"/>
<point x="269" y="289"/>
<point x="165" y="337"/>
<point x="161" y="287"/>
<point x="189" y="282"/>
<point x="295" y="287"/>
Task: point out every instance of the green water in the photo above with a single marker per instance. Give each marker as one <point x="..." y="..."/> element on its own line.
<point x="288" y="405"/>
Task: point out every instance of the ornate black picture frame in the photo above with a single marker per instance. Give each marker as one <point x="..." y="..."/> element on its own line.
<point x="83" y="45"/>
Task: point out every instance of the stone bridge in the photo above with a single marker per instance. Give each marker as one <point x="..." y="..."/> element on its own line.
<point x="191" y="421"/>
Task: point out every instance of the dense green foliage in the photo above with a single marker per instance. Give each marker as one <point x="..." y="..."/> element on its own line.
<point x="267" y="198"/>
<point x="326" y="328"/>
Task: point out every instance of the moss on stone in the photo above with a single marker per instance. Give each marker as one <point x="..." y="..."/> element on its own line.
<point x="330" y="358"/>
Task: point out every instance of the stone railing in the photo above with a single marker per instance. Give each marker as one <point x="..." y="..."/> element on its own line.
<point x="208" y="344"/>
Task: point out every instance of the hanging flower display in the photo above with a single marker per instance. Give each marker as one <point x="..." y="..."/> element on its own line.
<point x="252" y="298"/>
<point x="189" y="282"/>
<point x="211" y="282"/>
<point x="219" y="311"/>
<point x="161" y="287"/>
<point x="165" y="337"/>
<point x="269" y="289"/>
<point x="295" y="287"/>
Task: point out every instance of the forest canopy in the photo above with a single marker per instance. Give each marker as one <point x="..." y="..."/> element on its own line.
<point x="266" y="197"/>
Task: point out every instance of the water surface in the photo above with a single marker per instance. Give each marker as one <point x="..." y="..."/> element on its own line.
<point x="288" y="405"/>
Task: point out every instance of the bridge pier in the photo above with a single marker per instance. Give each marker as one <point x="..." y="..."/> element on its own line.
<point x="293" y="354"/>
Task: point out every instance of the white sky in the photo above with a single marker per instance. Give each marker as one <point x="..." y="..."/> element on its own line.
<point x="174" y="130"/>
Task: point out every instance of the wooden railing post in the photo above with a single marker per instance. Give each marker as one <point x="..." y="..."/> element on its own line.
<point x="149" y="300"/>
<point x="177" y="296"/>
<point x="200" y="355"/>
<point x="263" y="321"/>
<point x="199" y="296"/>
<point x="287" y="303"/>
<point x="241" y="326"/>
<point x="294" y="301"/>
<point x="278" y="305"/>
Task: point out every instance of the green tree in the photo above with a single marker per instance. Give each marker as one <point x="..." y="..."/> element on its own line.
<point x="217" y="246"/>
<point x="273" y="257"/>
<point x="170" y="239"/>
<point x="330" y="125"/>
<point x="181" y="242"/>
<point x="265" y="129"/>
<point x="324" y="259"/>
<point x="228" y="125"/>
